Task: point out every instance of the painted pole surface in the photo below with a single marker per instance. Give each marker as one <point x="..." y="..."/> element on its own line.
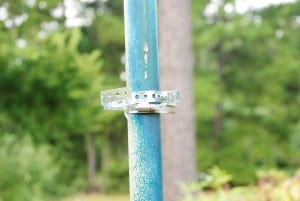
<point x="145" y="158"/>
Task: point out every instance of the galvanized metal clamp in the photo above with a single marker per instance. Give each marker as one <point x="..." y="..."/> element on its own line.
<point x="141" y="101"/>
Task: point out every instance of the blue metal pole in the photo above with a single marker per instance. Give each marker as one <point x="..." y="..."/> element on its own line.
<point x="145" y="168"/>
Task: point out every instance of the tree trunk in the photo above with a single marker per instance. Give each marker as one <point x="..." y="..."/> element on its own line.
<point x="217" y="120"/>
<point x="91" y="161"/>
<point x="105" y="155"/>
<point x="176" y="71"/>
<point x="217" y="124"/>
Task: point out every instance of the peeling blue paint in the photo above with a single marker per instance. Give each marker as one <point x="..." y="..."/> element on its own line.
<point x="145" y="168"/>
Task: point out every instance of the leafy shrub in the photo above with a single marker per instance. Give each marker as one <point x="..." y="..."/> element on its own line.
<point x="275" y="187"/>
<point x="55" y="101"/>
<point x="278" y="189"/>
<point x="215" y="179"/>
<point x="27" y="173"/>
<point x="272" y="176"/>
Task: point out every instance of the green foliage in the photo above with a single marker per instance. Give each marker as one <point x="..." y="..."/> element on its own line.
<point x="50" y="90"/>
<point x="285" y="189"/>
<point x="56" y="75"/>
<point x="272" y="176"/>
<point x="216" y="179"/>
<point x="236" y="194"/>
<point x="24" y="19"/>
<point x="107" y="33"/>
<point x="32" y="179"/>
<point x="275" y="188"/>
<point x="247" y="90"/>
<point x="246" y="86"/>
<point x="50" y="78"/>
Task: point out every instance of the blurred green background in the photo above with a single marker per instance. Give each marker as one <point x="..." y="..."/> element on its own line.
<point x="55" y="57"/>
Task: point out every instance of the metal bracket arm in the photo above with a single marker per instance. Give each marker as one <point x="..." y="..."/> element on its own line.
<point x="141" y="101"/>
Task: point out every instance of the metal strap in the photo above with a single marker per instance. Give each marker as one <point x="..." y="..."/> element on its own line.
<point x="141" y="101"/>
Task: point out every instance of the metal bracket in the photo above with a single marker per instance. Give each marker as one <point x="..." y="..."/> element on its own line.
<point x="141" y="101"/>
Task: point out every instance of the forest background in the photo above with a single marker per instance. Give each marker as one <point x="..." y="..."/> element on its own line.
<point x="55" y="57"/>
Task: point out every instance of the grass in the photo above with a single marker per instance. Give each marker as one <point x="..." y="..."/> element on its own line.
<point x="98" y="197"/>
